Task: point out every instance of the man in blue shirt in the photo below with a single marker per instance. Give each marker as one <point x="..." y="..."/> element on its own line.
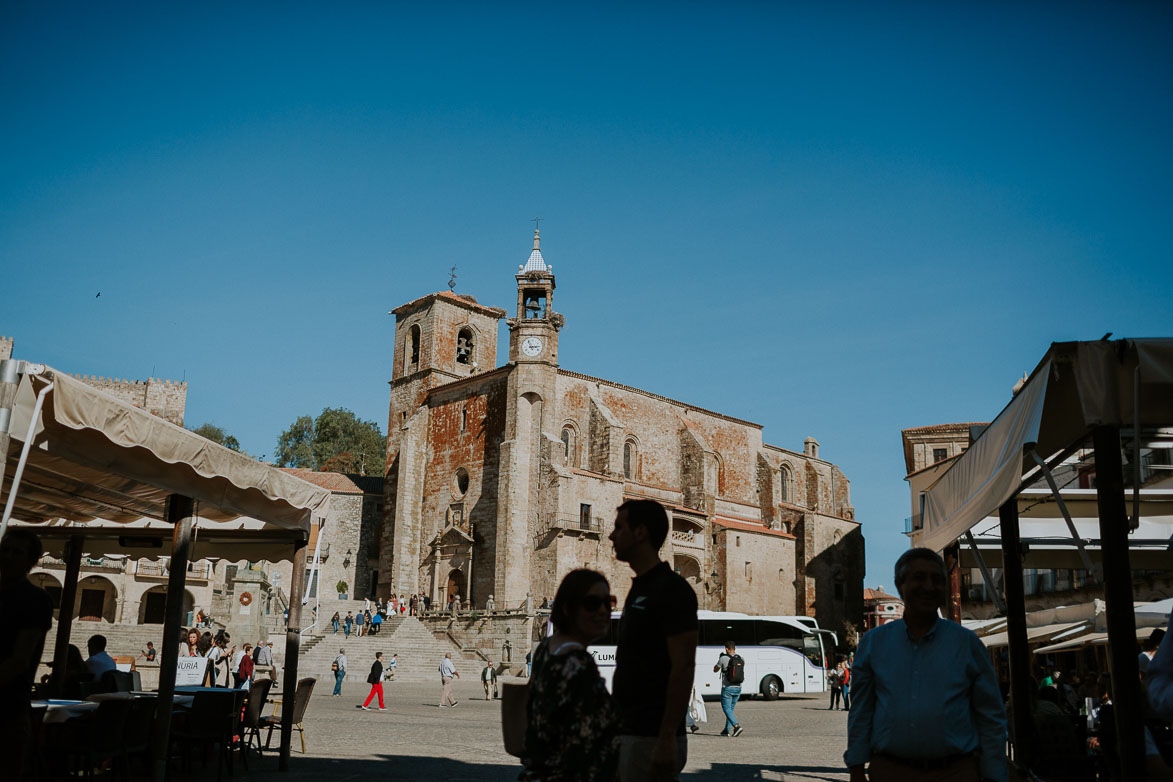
<point x="925" y="700"/>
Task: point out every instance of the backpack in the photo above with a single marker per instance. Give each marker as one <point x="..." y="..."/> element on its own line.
<point x="735" y="670"/>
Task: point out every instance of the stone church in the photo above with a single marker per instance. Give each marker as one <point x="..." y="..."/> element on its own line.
<point x="503" y="477"/>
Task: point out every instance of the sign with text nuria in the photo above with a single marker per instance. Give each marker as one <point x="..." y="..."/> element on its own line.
<point x="190" y="671"/>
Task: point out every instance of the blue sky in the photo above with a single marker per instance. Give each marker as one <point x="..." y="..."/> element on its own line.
<point x="836" y="220"/>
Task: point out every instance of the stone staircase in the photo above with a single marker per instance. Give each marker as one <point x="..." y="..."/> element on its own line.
<point x="419" y="652"/>
<point x="128" y="640"/>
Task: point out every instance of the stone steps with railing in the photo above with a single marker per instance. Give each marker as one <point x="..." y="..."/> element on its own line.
<point x="419" y="652"/>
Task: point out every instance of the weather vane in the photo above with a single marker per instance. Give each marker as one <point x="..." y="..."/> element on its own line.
<point x="452" y="279"/>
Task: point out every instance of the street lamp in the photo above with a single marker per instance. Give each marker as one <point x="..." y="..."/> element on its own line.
<point x="346" y="558"/>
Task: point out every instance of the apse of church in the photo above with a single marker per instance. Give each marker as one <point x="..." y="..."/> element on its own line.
<point x="501" y="479"/>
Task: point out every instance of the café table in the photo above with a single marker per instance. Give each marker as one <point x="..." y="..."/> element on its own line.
<point x="58" y="711"/>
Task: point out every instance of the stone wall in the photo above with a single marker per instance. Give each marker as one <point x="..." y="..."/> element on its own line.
<point x="503" y="637"/>
<point x="756" y="571"/>
<point x="164" y="398"/>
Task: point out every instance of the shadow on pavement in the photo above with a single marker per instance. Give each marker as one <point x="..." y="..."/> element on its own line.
<point x="384" y="767"/>
<point x="734" y="772"/>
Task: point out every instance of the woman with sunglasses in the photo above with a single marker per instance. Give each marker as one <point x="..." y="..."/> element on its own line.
<point x="572" y="730"/>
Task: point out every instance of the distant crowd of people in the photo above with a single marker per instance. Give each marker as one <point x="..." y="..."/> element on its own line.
<point x="227" y="666"/>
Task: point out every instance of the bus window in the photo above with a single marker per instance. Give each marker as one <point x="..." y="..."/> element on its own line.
<point x="777" y="634"/>
<point x="717" y="632"/>
<point x="812" y="647"/>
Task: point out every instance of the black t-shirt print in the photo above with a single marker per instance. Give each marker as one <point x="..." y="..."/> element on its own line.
<point x="660" y="604"/>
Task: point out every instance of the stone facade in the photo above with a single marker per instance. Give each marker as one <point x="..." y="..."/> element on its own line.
<point x="164" y="398"/>
<point x="502" y="479"/>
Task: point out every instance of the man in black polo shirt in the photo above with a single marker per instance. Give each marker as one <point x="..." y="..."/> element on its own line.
<point x="656" y="651"/>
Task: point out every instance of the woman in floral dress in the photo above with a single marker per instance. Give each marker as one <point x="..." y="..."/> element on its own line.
<point x="572" y="731"/>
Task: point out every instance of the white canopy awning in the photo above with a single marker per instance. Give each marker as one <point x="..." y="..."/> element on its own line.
<point x="100" y="465"/>
<point x="1076" y="387"/>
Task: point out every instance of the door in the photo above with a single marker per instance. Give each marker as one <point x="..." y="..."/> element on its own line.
<point x="91" y="603"/>
<point x="154" y="608"/>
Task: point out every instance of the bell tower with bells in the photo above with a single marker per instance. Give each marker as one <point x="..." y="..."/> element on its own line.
<point x="533" y="333"/>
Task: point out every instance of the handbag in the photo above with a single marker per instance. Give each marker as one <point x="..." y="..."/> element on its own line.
<point x="514" y="717"/>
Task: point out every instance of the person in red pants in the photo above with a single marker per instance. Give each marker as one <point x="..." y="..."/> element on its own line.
<point x="375" y="679"/>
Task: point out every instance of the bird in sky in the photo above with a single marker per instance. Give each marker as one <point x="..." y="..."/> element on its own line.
<point x="99" y="294"/>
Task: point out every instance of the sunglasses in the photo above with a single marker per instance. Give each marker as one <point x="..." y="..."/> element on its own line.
<point x="594" y="602"/>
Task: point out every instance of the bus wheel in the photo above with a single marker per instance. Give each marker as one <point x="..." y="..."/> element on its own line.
<point x="771" y="688"/>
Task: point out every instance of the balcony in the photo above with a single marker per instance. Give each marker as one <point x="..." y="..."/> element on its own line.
<point x="912" y="524"/>
<point x="199" y="571"/>
<point x="88" y="564"/>
<point x="574" y="526"/>
<point x="687" y="539"/>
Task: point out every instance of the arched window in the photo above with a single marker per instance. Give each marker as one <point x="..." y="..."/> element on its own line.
<point x="464" y="346"/>
<point x="411" y="349"/>
<point x="787" y="484"/>
<point x="630" y="460"/>
<point x="569" y="446"/>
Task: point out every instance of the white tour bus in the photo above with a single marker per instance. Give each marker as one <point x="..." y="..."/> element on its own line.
<point x="781" y="653"/>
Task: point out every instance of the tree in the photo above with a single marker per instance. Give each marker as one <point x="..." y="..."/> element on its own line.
<point x="214" y="433"/>
<point x="336" y="441"/>
<point x="295" y="446"/>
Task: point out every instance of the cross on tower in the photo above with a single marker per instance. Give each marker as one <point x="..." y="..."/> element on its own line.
<point x="536" y="221"/>
<point x="452" y="279"/>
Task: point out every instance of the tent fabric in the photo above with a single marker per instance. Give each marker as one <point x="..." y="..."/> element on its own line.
<point x="150" y="539"/>
<point x="1032" y="634"/>
<point x="96" y="457"/>
<point x="1076" y="387"/>
<point x="989" y="472"/>
<point x="1091" y="639"/>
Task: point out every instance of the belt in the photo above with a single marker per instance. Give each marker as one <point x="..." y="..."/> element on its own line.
<point x="928" y="764"/>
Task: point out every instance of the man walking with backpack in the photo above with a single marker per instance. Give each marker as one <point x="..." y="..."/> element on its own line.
<point x="339" y="669"/>
<point x="732" y="668"/>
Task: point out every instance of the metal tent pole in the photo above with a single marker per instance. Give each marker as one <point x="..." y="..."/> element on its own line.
<point x="1020" y="681"/>
<point x="179" y="512"/>
<point x="1122" y="648"/>
<point x="292" y="649"/>
<point x="65" y="613"/>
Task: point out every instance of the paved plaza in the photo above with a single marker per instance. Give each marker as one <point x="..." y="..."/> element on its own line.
<point x="793" y="739"/>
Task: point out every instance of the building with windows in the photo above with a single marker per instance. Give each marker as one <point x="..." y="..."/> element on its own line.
<point x="880" y="608"/>
<point x="1061" y="560"/>
<point x="503" y="476"/>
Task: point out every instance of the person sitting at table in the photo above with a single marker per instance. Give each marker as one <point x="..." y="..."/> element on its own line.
<point x="26" y="613"/>
<point x="99" y="662"/>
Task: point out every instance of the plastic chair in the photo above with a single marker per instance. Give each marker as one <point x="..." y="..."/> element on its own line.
<point x="301" y="699"/>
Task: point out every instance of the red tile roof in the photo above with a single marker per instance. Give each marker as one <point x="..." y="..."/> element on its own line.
<point x="746" y="526"/>
<point x="463" y="301"/>
<point x="943" y="427"/>
<point x="879" y="594"/>
<point x="331" y="481"/>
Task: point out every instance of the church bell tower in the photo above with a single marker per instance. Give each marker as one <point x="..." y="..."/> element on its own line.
<point x="533" y="333"/>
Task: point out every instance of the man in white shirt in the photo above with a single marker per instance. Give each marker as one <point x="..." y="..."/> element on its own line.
<point x="447" y="671"/>
<point x="99" y="662"/>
